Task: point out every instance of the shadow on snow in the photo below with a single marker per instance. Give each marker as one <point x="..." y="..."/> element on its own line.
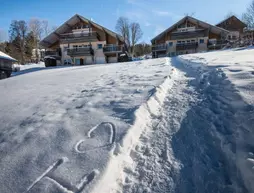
<point x="212" y="136"/>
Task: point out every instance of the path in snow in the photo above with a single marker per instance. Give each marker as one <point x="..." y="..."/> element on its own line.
<point x="197" y="144"/>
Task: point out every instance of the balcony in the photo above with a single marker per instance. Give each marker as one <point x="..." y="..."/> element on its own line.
<point x="86" y="51"/>
<point x="188" y="34"/>
<point x="108" y="49"/>
<point x="159" y="47"/>
<point x="51" y="53"/>
<point x="185" y="29"/>
<point x="186" y="46"/>
<point x="79" y="37"/>
<point x="218" y="44"/>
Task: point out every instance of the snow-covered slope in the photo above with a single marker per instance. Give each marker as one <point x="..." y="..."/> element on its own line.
<point x="202" y="138"/>
<point x="60" y="127"/>
<point x="227" y="78"/>
<point x="237" y="64"/>
<point x="183" y="124"/>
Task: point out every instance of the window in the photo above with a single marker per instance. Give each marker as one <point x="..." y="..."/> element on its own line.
<point x="99" y="46"/>
<point x="201" y="41"/>
<point x="180" y="42"/>
<point x="170" y="44"/>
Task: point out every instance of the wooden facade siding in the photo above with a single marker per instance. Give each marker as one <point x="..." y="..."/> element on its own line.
<point x="233" y="24"/>
<point x="214" y="36"/>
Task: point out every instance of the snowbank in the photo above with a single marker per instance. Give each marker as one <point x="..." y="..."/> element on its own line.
<point x="29" y="66"/>
<point x="143" y="116"/>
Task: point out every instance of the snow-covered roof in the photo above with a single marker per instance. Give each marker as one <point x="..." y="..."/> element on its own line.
<point x="213" y="29"/>
<point x="5" y="56"/>
<point x="55" y="35"/>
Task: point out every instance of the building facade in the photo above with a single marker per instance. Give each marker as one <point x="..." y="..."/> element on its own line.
<point x="80" y="41"/>
<point x="189" y="35"/>
<point x="235" y="27"/>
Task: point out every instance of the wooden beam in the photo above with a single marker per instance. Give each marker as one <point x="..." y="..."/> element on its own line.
<point x="81" y="20"/>
<point x="106" y="35"/>
<point x="47" y="42"/>
<point x="96" y="26"/>
<point x="68" y="25"/>
<point x="90" y="26"/>
<point x="58" y="35"/>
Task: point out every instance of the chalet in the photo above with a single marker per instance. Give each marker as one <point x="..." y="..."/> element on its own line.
<point x="80" y="41"/>
<point x="189" y="35"/>
<point x="235" y="27"/>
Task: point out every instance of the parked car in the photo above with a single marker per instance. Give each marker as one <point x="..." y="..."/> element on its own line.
<point x="5" y="65"/>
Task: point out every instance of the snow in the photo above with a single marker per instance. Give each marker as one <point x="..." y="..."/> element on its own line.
<point x="237" y="64"/>
<point x="79" y="113"/>
<point x="19" y="69"/>
<point x="182" y="124"/>
<point x="5" y="56"/>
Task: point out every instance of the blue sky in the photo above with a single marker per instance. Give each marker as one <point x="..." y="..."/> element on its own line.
<point x="153" y="15"/>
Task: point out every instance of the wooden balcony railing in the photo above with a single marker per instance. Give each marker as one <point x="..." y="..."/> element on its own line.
<point x="79" y="37"/>
<point x="85" y="51"/>
<point x="178" y="35"/>
<point x="112" y="49"/>
<point x="51" y="53"/>
<point x="186" y="46"/>
<point x="217" y="44"/>
<point x="159" y="47"/>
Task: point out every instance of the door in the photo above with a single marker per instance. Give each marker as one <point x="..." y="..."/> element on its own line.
<point x="81" y="61"/>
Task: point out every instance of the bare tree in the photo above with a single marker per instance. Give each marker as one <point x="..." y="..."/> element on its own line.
<point x="18" y="31"/>
<point x="136" y="35"/>
<point x="35" y="26"/>
<point x="229" y="14"/>
<point x="53" y="28"/>
<point x="142" y="49"/>
<point x="122" y="27"/>
<point x="248" y="16"/>
<point x="45" y="27"/>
